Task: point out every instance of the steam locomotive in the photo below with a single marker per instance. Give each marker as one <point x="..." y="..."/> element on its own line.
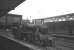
<point x="34" y="35"/>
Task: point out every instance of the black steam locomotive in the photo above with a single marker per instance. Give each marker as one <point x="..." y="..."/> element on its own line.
<point x="35" y="35"/>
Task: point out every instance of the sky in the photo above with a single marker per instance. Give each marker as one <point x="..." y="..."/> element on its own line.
<point x="36" y="9"/>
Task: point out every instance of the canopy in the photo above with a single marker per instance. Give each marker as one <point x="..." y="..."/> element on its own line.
<point x="7" y="5"/>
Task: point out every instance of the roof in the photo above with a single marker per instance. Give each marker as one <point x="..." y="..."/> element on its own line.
<point x="14" y="15"/>
<point x="59" y="16"/>
<point x="8" y="5"/>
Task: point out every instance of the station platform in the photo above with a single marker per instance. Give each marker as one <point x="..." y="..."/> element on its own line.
<point x="7" y="35"/>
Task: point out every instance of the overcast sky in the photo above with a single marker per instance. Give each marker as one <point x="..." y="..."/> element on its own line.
<point x="44" y="8"/>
